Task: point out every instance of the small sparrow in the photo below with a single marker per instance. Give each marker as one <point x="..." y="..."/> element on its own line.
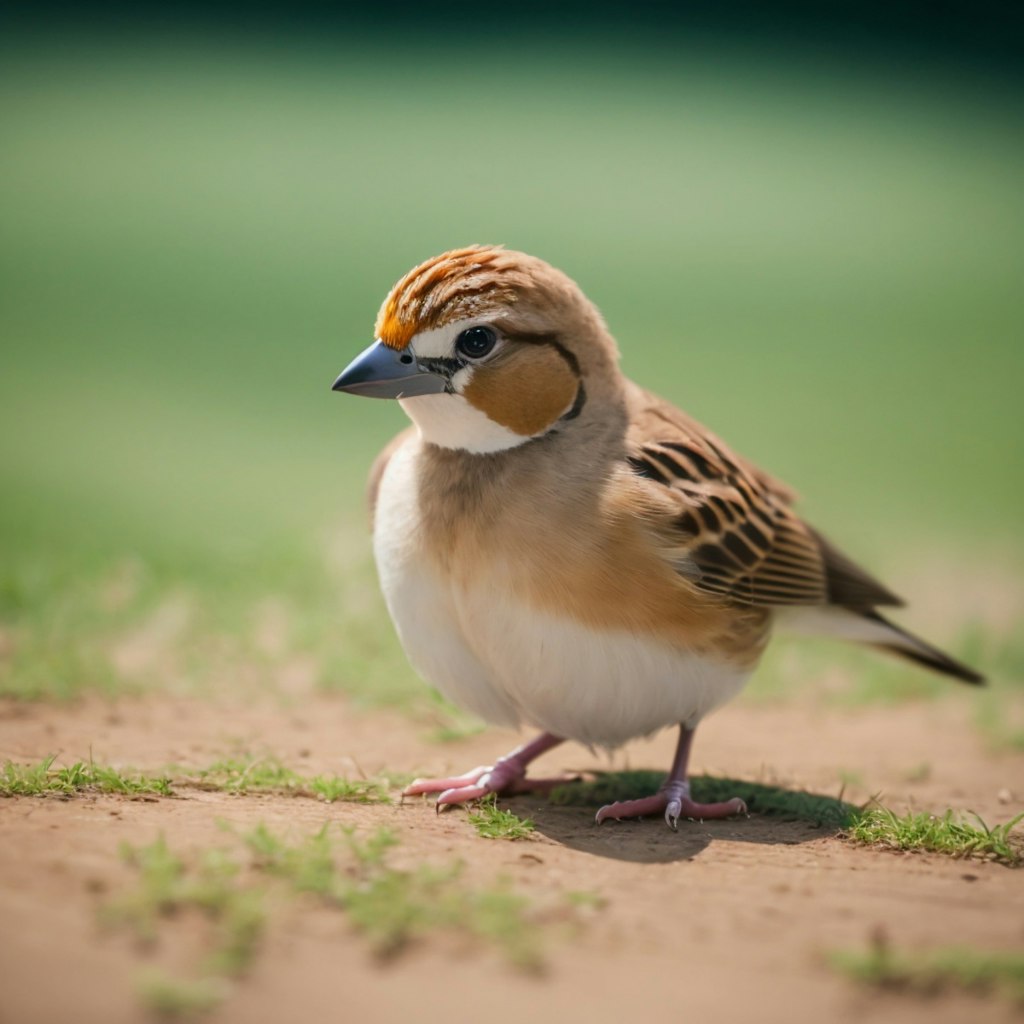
<point x="558" y="546"/>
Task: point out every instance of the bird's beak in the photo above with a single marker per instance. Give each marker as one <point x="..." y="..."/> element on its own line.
<point x="383" y="372"/>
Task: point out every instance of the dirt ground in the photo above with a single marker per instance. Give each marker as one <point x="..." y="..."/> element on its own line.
<point x="723" y="921"/>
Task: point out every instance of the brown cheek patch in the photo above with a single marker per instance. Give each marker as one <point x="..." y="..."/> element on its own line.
<point x="526" y="392"/>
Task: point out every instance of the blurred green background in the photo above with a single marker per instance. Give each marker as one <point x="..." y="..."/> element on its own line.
<point x="818" y="252"/>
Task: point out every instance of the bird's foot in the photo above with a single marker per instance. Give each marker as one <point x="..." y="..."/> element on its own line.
<point x="507" y="777"/>
<point x="672" y="800"/>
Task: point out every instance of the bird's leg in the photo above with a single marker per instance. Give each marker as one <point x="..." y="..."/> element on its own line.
<point x="506" y="776"/>
<point x="674" y="796"/>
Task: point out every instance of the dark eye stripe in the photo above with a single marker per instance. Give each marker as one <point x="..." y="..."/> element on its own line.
<point x="578" y="403"/>
<point x="526" y="338"/>
<point x="443" y="367"/>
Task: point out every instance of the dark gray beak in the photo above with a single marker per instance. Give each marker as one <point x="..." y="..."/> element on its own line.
<point x="383" y="372"/>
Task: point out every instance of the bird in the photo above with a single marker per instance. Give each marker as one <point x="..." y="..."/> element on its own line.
<point x="560" y="548"/>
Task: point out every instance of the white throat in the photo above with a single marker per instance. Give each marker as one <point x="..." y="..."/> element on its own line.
<point x="450" y="421"/>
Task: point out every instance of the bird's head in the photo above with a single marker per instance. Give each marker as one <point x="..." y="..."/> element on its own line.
<point x="486" y="349"/>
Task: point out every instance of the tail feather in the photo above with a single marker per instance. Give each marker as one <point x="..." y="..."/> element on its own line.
<point x="865" y="625"/>
<point x="906" y="645"/>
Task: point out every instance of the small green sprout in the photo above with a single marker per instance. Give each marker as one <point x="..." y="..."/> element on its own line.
<point x="491" y="822"/>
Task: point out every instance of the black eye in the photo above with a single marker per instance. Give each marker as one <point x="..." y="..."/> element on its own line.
<point x="475" y="342"/>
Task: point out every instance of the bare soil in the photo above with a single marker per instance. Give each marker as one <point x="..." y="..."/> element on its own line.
<point x="722" y="921"/>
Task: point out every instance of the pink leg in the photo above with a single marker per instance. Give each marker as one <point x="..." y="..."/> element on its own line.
<point x="674" y="796"/>
<point x="507" y="776"/>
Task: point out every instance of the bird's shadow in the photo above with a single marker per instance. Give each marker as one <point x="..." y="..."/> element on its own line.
<point x="778" y="816"/>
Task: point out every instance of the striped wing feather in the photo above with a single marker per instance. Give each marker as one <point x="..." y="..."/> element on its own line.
<point x="735" y="523"/>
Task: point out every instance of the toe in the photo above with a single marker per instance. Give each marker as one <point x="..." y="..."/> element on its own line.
<point x="709" y="812"/>
<point x="418" y="786"/>
<point x="616" y="812"/>
<point x="632" y="808"/>
<point x="461" y="795"/>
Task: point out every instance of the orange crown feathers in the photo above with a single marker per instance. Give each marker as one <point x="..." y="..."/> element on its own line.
<point x="444" y="288"/>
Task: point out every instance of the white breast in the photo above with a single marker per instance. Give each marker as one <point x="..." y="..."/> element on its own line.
<point x="509" y="663"/>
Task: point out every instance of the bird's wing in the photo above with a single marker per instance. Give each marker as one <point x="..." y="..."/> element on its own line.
<point x="380" y="464"/>
<point x="733" y="530"/>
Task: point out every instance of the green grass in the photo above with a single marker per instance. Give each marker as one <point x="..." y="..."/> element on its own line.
<point x="203" y="233"/>
<point x="838" y="675"/>
<point x="250" y="774"/>
<point x="169" y="886"/>
<point x="936" y="972"/>
<point x="585" y="899"/>
<point x="213" y="885"/>
<point x="608" y="787"/>
<point x="173" y="998"/>
<point x="392" y="907"/>
<point x="239" y="774"/>
<point x="44" y="779"/>
<point x="309" y="864"/>
<point x="849" y="676"/>
<point x="948" y="833"/>
<point x="77" y="622"/>
<point x="491" y="822"/>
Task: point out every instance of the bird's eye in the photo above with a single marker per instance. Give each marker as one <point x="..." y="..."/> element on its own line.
<point x="475" y="342"/>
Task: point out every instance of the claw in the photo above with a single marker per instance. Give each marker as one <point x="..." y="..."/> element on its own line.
<point x="632" y="808"/>
<point x="672" y="812"/>
<point x="463" y="794"/>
